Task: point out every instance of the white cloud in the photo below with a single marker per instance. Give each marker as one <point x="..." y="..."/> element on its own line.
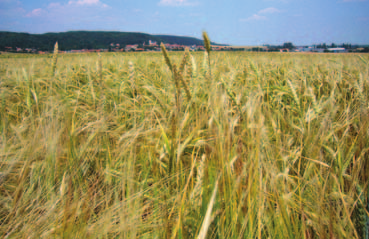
<point x="254" y="17"/>
<point x="260" y="15"/>
<point x="176" y="3"/>
<point x="56" y="8"/>
<point x="88" y="2"/>
<point x="35" y="13"/>
<point x="54" y="5"/>
<point x="269" y="10"/>
<point x="85" y="2"/>
<point x="79" y="3"/>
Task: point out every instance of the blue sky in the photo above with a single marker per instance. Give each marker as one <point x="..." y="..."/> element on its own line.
<point x="234" y="22"/>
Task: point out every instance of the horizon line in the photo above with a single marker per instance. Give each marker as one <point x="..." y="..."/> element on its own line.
<point x="166" y="34"/>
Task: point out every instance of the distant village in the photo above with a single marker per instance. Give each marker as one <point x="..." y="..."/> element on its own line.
<point x="116" y="47"/>
<point x="154" y="46"/>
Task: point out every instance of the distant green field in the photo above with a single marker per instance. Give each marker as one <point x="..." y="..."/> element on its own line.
<point x="224" y="145"/>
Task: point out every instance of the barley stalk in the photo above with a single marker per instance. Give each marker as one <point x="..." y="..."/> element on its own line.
<point x="99" y="65"/>
<point x="367" y="215"/>
<point x="132" y="78"/>
<point x="207" y="219"/>
<point x="173" y="122"/>
<point x="205" y="64"/>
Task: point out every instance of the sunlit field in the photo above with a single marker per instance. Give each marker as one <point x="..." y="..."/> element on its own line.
<point x="195" y="145"/>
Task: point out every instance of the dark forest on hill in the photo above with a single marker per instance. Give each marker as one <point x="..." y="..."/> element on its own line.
<point x="86" y="40"/>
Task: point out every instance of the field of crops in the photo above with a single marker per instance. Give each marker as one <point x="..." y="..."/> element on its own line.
<point x="193" y="145"/>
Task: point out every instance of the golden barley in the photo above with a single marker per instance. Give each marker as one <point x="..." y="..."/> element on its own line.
<point x="166" y="57"/>
<point x="55" y="58"/>
<point x="206" y="42"/>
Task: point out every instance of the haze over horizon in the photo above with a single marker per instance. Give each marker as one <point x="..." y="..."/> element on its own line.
<point x="235" y="23"/>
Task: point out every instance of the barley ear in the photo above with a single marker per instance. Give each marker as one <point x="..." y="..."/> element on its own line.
<point x="176" y="76"/>
<point x="294" y="94"/>
<point x="194" y="67"/>
<point x="189" y="69"/>
<point x="166" y="57"/>
<point x="206" y="42"/>
<point x="181" y="73"/>
<point x="184" y="60"/>
<point x="231" y="95"/>
<point x="55" y="58"/>
<point x="208" y="48"/>
<point x="185" y="86"/>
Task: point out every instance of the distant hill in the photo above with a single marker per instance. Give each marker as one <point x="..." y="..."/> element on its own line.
<point x="86" y="40"/>
<point x="182" y="40"/>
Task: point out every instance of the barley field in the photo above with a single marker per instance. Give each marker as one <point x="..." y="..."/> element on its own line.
<point x="184" y="145"/>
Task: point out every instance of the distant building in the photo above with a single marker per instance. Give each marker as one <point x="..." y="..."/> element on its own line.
<point x="152" y="43"/>
<point x="131" y="47"/>
<point x="305" y="49"/>
<point x="318" y="50"/>
<point x="337" y="49"/>
<point x="309" y="49"/>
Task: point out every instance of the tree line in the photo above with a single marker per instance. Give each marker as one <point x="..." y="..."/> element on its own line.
<point x="85" y="40"/>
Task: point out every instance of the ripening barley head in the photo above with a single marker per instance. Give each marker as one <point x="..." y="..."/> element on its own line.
<point x="194" y="67"/>
<point x="55" y="58"/>
<point x="184" y="61"/>
<point x="166" y="57"/>
<point x="206" y="42"/>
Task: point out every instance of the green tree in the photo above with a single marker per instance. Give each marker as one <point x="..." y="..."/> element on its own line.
<point x="288" y="45"/>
